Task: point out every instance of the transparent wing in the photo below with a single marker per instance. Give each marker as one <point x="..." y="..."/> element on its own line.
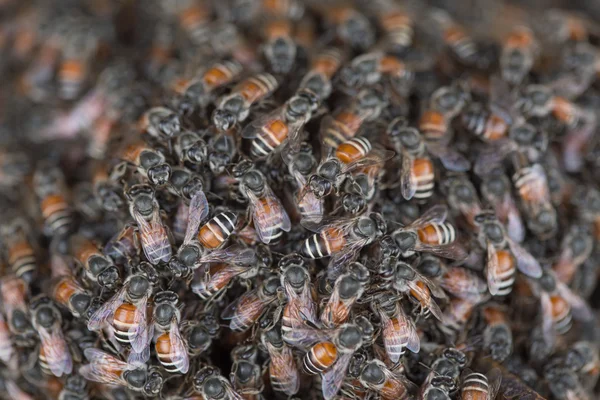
<point x="252" y="130"/>
<point x="466" y="284"/>
<point x="526" y="263"/>
<point x="491" y="268"/>
<point x="515" y="227"/>
<point x="231" y="394"/>
<point x="103" y="367"/>
<point x="494" y="380"/>
<point x="135" y="358"/>
<point x="408" y="179"/>
<point x="304" y="337"/>
<point x="56" y="350"/>
<point x="198" y="211"/>
<point x="268" y="215"/>
<point x="436" y="214"/>
<point x="284" y="363"/>
<point x="423" y="295"/>
<point x="579" y="307"/>
<point x="155" y="241"/>
<point x="232" y="308"/>
<point x="107" y="310"/>
<point x="375" y="157"/>
<point x="435" y="289"/>
<point x="348" y="254"/>
<point x="179" y="355"/>
<point x="15" y="392"/>
<point x="234" y="254"/>
<point x="139" y="329"/>
<point x="334" y="376"/>
<point x="451" y="159"/>
<point x="452" y="251"/>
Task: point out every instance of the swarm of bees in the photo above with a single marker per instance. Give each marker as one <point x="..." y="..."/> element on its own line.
<point x="298" y="199"/>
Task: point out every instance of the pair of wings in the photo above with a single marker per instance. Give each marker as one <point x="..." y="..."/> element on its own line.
<point x="104" y="367"/>
<point x="58" y="356"/>
<point x="283" y="362"/>
<point x="154" y="238"/>
<point x="253" y="307"/>
<point x="400" y="334"/>
<point x="464" y="283"/>
<point x="526" y="263"/>
<point x="268" y="214"/>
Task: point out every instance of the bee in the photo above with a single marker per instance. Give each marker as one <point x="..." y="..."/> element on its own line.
<point x="224" y="149"/>
<point x="531" y="184"/>
<point x="279" y="47"/>
<point x="323" y="67"/>
<point x="462" y="197"/>
<point x="74" y="69"/>
<point x="343" y="239"/>
<point x="519" y="52"/>
<point x="145" y="210"/>
<point x="430" y="234"/>
<point x="463" y="283"/>
<point x="476" y="386"/>
<point x="199" y="334"/>
<point x="398" y="29"/>
<point x="69" y="293"/>
<point x="19" y="249"/>
<point x="192" y="17"/>
<point x="98" y="267"/>
<point x="235" y="107"/>
<point x="398" y="330"/>
<point x="75" y="388"/>
<point x="211" y="385"/>
<point x="149" y="162"/>
<point x="564" y="384"/>
<point x="448" y="367"/>
<point x="126" y="310"/>
<point x="54" y="355"/>
<point x="422" y="289"/>
<point x="389" y="385"/>
<point x="347" y="289"/>
<point x="503" y="256"/>
<point x="190" y="147"/>
<point x="6" y="346"/>
<point x="370" y="68"/>
<point x="246" y="310"/>
<point x="15" y="166"/>
<point x="108" y="369"/>
<point x="281" y="128"/>
<point x="575" y="249"/>
<point x="14" y="293"/>
<point x="459" y="312"/>
<point x="497" y="335"/>
<point x="283" y="372"/>
<point x="347" y="120"/>
<point x="454" y="36"/>
<point x="582" y="358"/>
<point x="444" y="105"/>
<point x="269" y="217"/>
<point x="160" y="123"/>
<point x="50" y="188"/>
<point x="124" y="245"/>
<point x="246" y="374"/>
<point x="300" y="166"/>
<point x="350" y="26"/>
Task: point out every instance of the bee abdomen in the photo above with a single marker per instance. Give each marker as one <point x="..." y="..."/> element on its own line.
<point x="269" y="138"/>
<point x="21" y="259"/>
<point x="57" y="214"/>
<point x="164" y="353"/>
<point x="216" y="231"/>
<point x="475" y="382"/>
<point x="425" y="176"/>
<point x="320" y="357"/>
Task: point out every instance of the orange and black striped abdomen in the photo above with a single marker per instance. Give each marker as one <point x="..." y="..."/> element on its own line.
<point x="433" y="124"/>
<point x="166" y="353"/>
<point x="123" y="321"/>
<point x="561" y="314"/>
<point x="57" y="213"/>
<point x="216" y="231"/>
<point x="323" y="244"/>
<point x="271" y="135"/>
<point x="352" y="150"/>
<point x="21" y="257"/>
<point x="320" y="357"/>
<point x="64" y="289"/>
<point x="437" y="234"/>
<point x="424" y="174"/>
<point x="257" y="87"/>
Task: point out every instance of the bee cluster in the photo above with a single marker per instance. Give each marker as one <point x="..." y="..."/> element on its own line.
<point x="271" y="199"/>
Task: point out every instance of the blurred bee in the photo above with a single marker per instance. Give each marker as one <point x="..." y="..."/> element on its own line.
<point x="162" y="50"/>
<point x="126" y="310"/>
<point x="454" y="36"/>
<point x="582" y="358"/>
<point x="14" y="293"/>
<point x="462" y="197"/>
<point x="389" y="385"/>
<point x="347" y="120"/>
<point x="350" y="26"/>
<point x="67" y="291"/>
<point x="50" y="188"/>
<point x="149" y="162"/>
<point x="160" y="123"/>
<point x="124" y="245"/>
<point x="497" y="335"/>
<point x="190" y="147"/>
<point x="476" y="386"/>
<point x="444" y="105"/>
<point x="463" y="283"/>
<point x="347" y="289"/>
<point x="245" y="311"/>
<point x="281" y="128"/>
<point x="561" y="26"/>
<point x="398" y="330"/>
<point x="342" y="240"/>
<point x="420" y="288"/>
<point x="75" y="388"/>
<point x="503" y="256"/>
<point x="192" y="17"/>
<point x="531" y="184"/>
<point x="430" y="234"/>
<point x="211" y="385"/>
<point x="279" y="47"/>
<point x="18" y="247"/>
<point x="370" y="68"/>
<point x="74" y="69"/>
<point x="98" y="267"/>
<point x="54" y="355"/>
<point x="519" y="52"/>
<point x="15" y="166"/>
<point x="323" y="67"/>
<point x="269" y="217"/>
<point x="495" y="190"/>
<point x="398" y="29"/>
<point x="145" y="210"/>
<point x="235" y="106"/>
<point x="575" y="249"/>
<point x="564" y="384"/>
<point x="7" y="352"/>
<point x="106" y="188"/>
<point x="283" y="371"/>
<point x="246" y="374"/>
<point x="107" y="369"/>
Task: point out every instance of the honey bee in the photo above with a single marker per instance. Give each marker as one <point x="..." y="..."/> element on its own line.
<point x="145" y="210"/>
<point x="98" y="268"/>
<point x="19" y="249"/>
<point x="497" y="335"/>
<point x="389" y="385"/>
<point x="519" y="51"/>
<point x="200" y="333"/>
<point x="582" y="358"/>
<point x="192" y="17"/>
<point x="224" y="149"/>
<point x="246" y="374"/>
<point x="124" y="245"/>
<point x="14" y="293"/>
<point x="342" y="240"/>
<point x="476" y="386"/>
<point x="347" y="289"/>
<point x="283" y="372"/>
<point x="462" y="197"/>
<point x="269" y="217"/>
<point x="398" y="28"/>
<point x="50" y="188"/>
<point x="149" y="162"/>
<point x="211" y="385"/>
<point x="446" y="368"/>
<point x="323" y="67"/>
<point x="235" y="107"/>
<point x="190" y="147"/>
<point x="300" y="166"/>
<point x="68" y="292"/>
<point x="74" y="69"/>
<point x="75" y="388"/>
<point x="107" y="369"/>
<point x="160" y="122"/>
<point x="458" y="313"/>
<point x="370" y="68"/>
<point x="575" y="249"/>
<point x="126" y="310"/>
<point x="454" y="36"/>
<point x="398" y="330"/>
<point x="6" y="347"/>
<point x="430" y="234"/>
<point x="54" y="356"/>
<point x="444" y="105"/>
<point x="279" y="47"/>
<point x="504" y="256"/>
<point x="245" y="311"/>
<point x="347" y="120"/>
<point x="281" y="128"/>
<point x="422" y="289"/>
<point x="463" y="283"/>
<point x="351" y="27"/>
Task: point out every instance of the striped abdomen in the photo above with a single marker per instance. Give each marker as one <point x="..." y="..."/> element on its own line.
<point x="433" y="125"/>
<point x="527" y="183"/>
<point x="320" y="357"/>
<point x="21" y="257"/>
<point x="398" y="27"/>
<point x="221" y="74"/>
<point x="421" y="292"/>
<point x="561" y="314"/>
<point x="353" y="149"/>
<point x="461" y="43"/>
<point x="216" y="231"/>
<point x="123" y="321"/>
<point x="269" y="138"/>
<point x="280" y="380"/>
<point x="475" y="387"/>
<point x="247" y="313"/>
<point x="437" y="234"/>
<point x="395" y="338"/>
<point x="256" y="88"/>
<point x="57" y="213"/>
<point x="343" y="127"/>
<point x="424" y="176"/>
<point x="164" y="353"/>
<point x="71" y="76"/>
<point x="505" y="273"/>
<point x="323" y="244"/>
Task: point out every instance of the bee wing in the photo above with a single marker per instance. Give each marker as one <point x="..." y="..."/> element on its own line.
<point x="348" y="254"/>
<point x="15" y="392"/>
<point x="304" y="337"/>
<point x="231" y="309"/>
<point x="432" y="305"/>
<point x="313" y="208"/>
<point x="515" y="227"/>
<point x="285" y="363"/>
<point x="252" y="130"/>
<point x="234" y="254"/>
<point x="334" y="376"/>
<point x="408" y="179"/>
<point x="154" y="236"/>
<point x="268" y="214"/>
<point x="451" y="159"/>
<point x="469" y="286"/>
<point x="142" y="357"/>
<point x="139" y="329"/>
<point x="547" y="322"/>
<point x="526" y="263"/>
<point x="452" y="251"/>
<point x="107" y="310"/>
<point x="179" y="355"/>
<point x="57" y="352"/>
<point x="375" y="157"/>
<point x="579" y="307"/>
<point x="231" y="394"/>
<point x="198" y="211"/>
<point x="435" y="289"/>
<point x="436" y="214"/>
<point x="491" y="268"/>
<point x="494" y="380"/>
